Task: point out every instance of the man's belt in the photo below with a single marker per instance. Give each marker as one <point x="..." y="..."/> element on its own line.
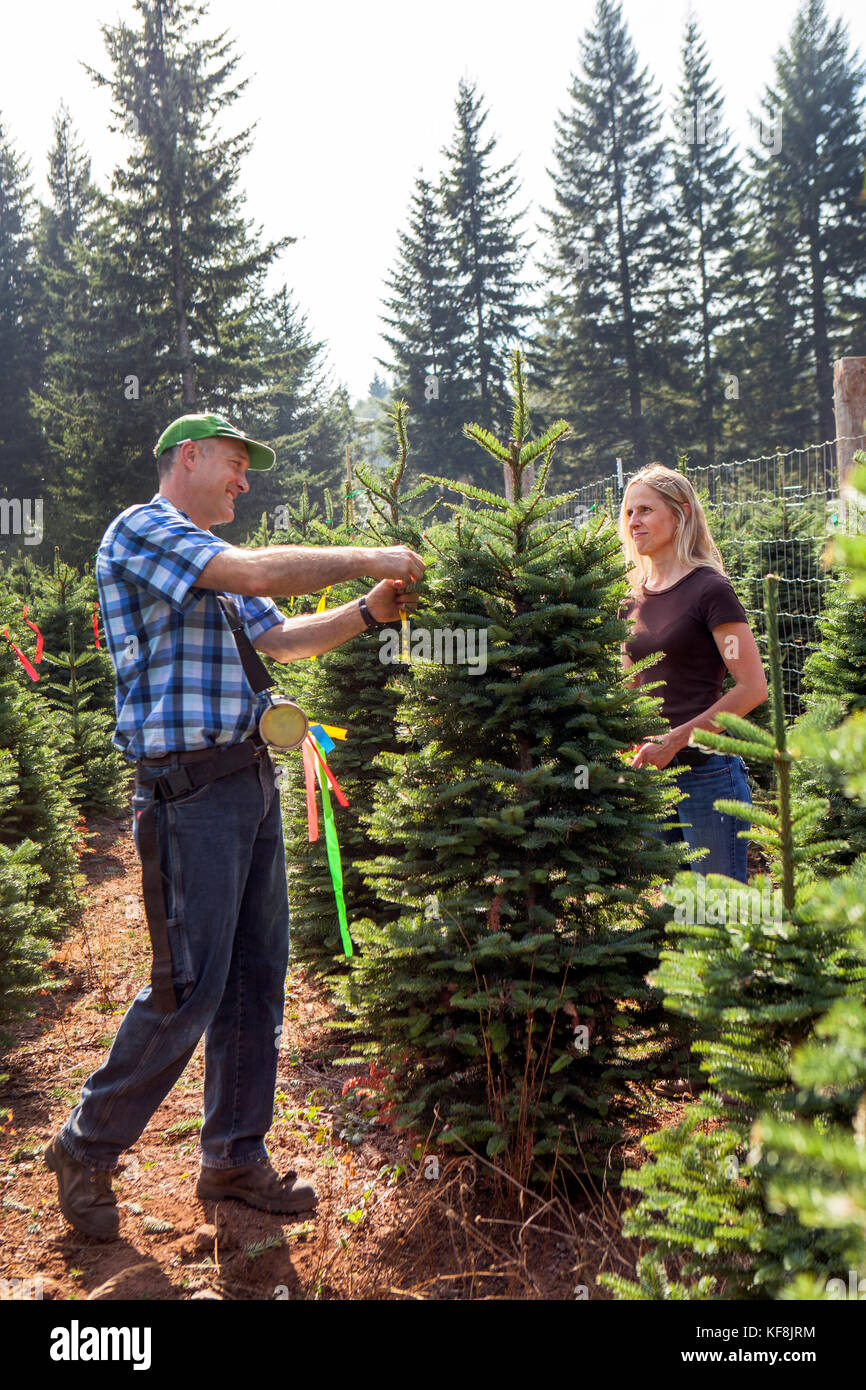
<point x="197" y="769"/>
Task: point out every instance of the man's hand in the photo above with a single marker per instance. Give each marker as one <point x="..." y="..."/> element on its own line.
<point x="389" y="601"/>
<point x="393" y="562"/>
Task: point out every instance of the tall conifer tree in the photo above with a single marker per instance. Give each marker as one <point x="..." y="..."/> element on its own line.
<point x="489" y="256"/>
<point x="457" y="298"/>
<point x="424" y="330"/>
<point x="808" y="174"/>
<point x="707" y="185"/>
<point x="299" y="410"/>
<point x="602" y="349"/>
<point x="174" y="272"/>
<point x="20" y="344"/>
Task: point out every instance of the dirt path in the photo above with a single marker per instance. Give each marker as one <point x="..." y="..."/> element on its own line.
<point x="388" y="1225"/>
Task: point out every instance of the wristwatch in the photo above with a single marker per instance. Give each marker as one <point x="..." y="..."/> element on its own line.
<point x="366" y="614"/>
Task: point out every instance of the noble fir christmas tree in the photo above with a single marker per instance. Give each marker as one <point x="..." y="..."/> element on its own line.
<point x="507" y="997"/>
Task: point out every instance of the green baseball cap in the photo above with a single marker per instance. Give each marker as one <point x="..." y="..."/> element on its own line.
<point x="210" y="427"/>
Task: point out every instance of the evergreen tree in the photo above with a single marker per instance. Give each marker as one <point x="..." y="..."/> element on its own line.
<point x="40" y="811"/>
<point x="808" y="171"/>
<point x="71" y="187"/>
<point x="59" y="608"/>
<point x="305" y="418"/>
<point x="818" y="1176"/>
<point x="68" y="319"/>
<point x="834" y="684"/>
<point x="606" y="330"/>
<point x="836" y="669"/>
<point x="488" y="259"/>
<point x="174" y="271"/>
<point x="61" y="599"/>
<point x="708" y="188"/>
<point x="457" y="298"/>
<point x="63" y="224"/>
<point x="190" y="252"/>
<point x="424" y="330"/>
<point x="24" y="924"/>
<point x="379" y="388"/>
<point x="818" y="1171"/>
<point x="20" y="341"/>
<point x="95" y="775"/>
<point x="507" y="997"/>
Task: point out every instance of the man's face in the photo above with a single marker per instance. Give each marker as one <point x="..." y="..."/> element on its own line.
<point x="220" y="475"/>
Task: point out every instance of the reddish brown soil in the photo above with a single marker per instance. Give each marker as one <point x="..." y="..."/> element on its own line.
<point x="384" y="1228"/>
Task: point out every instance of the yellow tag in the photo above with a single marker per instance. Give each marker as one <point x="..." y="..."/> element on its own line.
<point x="320" y="608"/>
<point x="332" y="731"/>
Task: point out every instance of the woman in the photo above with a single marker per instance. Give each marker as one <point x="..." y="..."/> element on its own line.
<point x="682" y="603"/>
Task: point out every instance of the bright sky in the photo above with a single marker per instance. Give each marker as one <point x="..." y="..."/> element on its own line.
<point x="351" y="99"/>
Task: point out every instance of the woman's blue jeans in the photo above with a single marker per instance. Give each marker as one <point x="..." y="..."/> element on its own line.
<point x="722" y="776"/>
<point x="223" y="863"/>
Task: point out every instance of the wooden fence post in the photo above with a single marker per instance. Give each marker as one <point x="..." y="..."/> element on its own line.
<point x="849" y="403"/>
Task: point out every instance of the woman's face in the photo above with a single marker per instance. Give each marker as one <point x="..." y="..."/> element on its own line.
<point x="650" y="521"/>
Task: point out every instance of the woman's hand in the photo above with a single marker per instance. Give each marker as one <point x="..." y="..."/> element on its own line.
<point x="660" y="749"/>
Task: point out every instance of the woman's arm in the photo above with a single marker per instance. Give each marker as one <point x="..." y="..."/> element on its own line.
<point x="739" y="651"/>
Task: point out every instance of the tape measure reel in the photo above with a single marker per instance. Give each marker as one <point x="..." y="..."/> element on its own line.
<point x="283" y="725"/>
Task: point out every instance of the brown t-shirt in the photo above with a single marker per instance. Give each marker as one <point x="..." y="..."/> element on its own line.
<point x="679" y="621"/>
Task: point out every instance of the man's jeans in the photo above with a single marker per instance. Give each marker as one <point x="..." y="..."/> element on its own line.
<point x="223" y="863"/>
<point x="723" y="776"/>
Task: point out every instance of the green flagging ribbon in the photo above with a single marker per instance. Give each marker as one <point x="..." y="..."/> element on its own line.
<point x="332" y="847"/>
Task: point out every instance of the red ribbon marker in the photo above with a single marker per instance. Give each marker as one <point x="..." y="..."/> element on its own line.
<point x="338" y="790"/>
<point x="96" y="625"/>
<point x="34" y="675"/>
<point x="39" y="643"/>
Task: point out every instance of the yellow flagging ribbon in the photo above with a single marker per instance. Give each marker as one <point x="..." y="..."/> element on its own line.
<point x="320" y="608"/>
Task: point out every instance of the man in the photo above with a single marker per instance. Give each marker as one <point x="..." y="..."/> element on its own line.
<point x="207" y="815"/>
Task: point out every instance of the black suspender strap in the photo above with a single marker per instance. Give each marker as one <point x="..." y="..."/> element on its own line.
<point x="254" y="668"/>
<point x="161" y="987"/>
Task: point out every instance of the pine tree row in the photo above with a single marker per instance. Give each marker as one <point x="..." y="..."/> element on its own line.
<point x="686" y="304"/>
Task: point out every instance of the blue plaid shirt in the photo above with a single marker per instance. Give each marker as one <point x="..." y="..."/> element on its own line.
<point x="180" y="683"/>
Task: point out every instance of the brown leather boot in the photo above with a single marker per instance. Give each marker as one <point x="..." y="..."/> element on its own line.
<point x="86" y="1197"/>
<point x="257" y="1184"/>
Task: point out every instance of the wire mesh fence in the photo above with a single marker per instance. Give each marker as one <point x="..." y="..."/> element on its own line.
<point x="768" y="515"/>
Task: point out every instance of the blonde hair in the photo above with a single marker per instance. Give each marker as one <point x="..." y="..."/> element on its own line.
<point x="694" y="544"/>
